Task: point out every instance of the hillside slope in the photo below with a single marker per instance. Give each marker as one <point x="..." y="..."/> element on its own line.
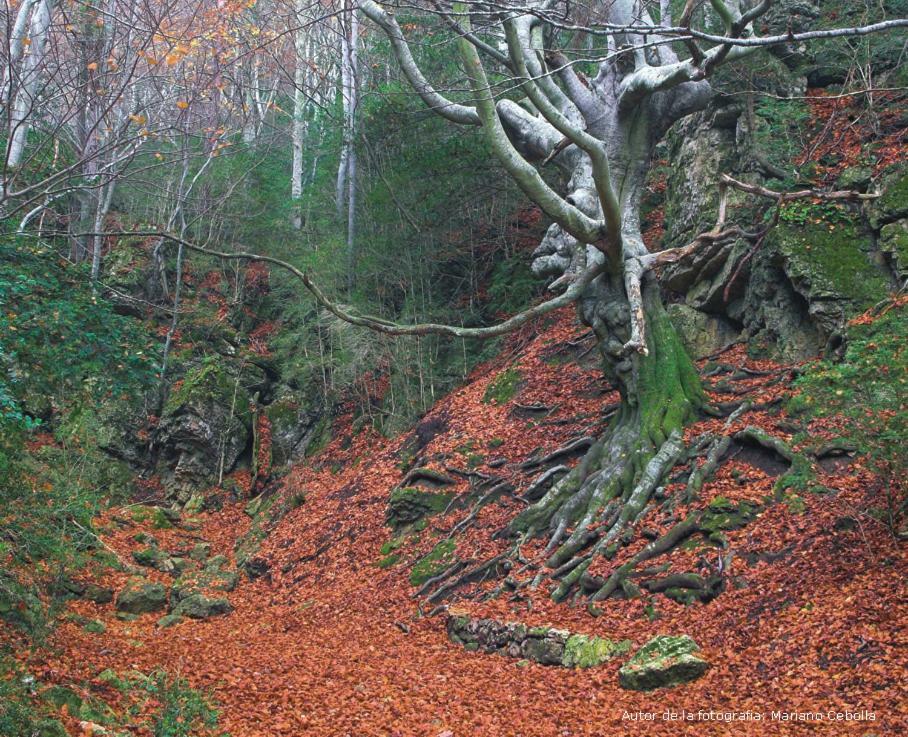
<point x="325" y="641"/>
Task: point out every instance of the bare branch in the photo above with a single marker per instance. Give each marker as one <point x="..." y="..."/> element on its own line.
<point x="446" y="108"/>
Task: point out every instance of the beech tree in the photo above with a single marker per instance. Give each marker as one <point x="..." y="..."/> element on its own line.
<point x="602" y="131"/>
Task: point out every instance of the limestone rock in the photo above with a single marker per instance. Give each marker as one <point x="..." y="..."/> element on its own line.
<point x="204" y="426"/>
<point x="295" y="422"/>
<point x="701" y="333"/>
<point x="199" y="606"/>
<point x="140" y="597"/>
<point x="663" y="661"/>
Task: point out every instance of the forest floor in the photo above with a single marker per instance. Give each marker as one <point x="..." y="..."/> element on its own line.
<point x="329" y="643"/>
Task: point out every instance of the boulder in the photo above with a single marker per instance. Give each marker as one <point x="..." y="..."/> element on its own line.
<point x="169" y="620"/>
<point x="894" y="245"/>
<point x="295" y="422"/>
<point x="199" y="606"/>
<point x="204" y="427"/>
<point x="409" y="505"/>
<point x="663" y="661"/>
<point x="153" y="557"/>
<point x="893" y="203"/>
<point x="140" y="597"/>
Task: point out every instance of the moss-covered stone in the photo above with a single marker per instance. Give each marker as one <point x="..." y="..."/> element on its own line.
<point x="543" y="645"/>
<point x="894" y="244"/>
<point x="140" y="597"/>
<point x="295" y="419"/>
<point x="199" y="606"/>
<point x="169" y="620"/>
<point x="722" y="515"/>
<point x="829" y="261"/>
<point x="94" y="626"/>
<point x="663" y="661"/>
<point x="204" y="427"/>
<point x="893" y="203"/>
<point x="409" y="505"/>
<point x="700" y="333"/>
<point x="200" y="551"/>
<point x="439" y="558"/>
<point x="209" y="383"/>
<point x="60" y="696"/>
<point x="51" y="728"/>
<point x="585" y="651"/>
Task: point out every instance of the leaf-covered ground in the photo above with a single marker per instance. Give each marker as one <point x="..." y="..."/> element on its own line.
<point x="329" y="643"/>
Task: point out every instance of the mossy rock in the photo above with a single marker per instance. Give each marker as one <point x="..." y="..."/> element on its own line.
<point x="199" y="606"/>
<point x="893" y="202"/>
<point x="701" y="334"/>
<point x="60" y="696"/>
<point x="664" y="661"/>
<point x="894" y="244"/>
<point x="409" y="505"/>
<point x="200" y="551"/>
<point x="141" y="597"/>
<point x="585" y="651"/>
<point x="295" y="418"/>
<point x="50" y="728"/>
<point x="439" y="558"/>
<point x="169" y="620"/>
<point x="199" y="582"/>
<point x="830" y="261"/>
<point x="95" y="627"/>
<point x="209" y="384"/>
<point x="723" y="515"/>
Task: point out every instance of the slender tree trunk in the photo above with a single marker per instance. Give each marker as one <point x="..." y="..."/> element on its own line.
<point x="23" y="97"/>
<point x="346" y="105"/>
<point x="350" y="145"/>
<point x="298" y="133"/>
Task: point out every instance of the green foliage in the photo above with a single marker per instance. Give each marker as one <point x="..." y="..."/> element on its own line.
<point x="59" y="343"/>
<point x="867" y="389"/>
<point x="179" y="710"/>
<point x="63" y="350"/>
<point x="19" y="714"/>
<point x="804" y="212"/>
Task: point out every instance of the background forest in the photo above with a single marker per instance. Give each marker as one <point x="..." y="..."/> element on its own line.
<point x="198" y="437"/>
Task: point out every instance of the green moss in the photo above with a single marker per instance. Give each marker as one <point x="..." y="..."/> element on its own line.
<point x="409" y="505"/>
<point x="94" y="626"/>
<point x="503" y="388"/>
<point x="582" y="651"/>
<point x="826" y="259"/>
<point x="159" y="520"/>
<point x="389" y="561"/>
<point x="439" y="558"/>
<point x="663" y="661"/>
<point x="207" y="384"/>
<point x="894" y="242"/>
<point x="722" y="515"/>
<point x="894" y="201"/>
